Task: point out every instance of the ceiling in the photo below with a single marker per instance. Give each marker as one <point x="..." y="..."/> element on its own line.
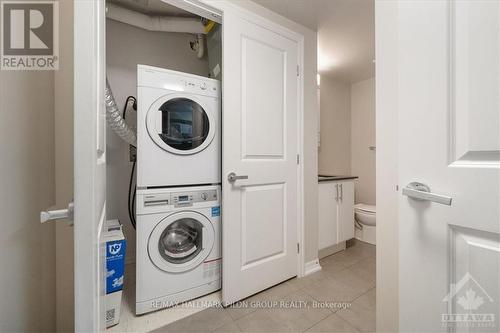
<point x="152" y="7"/>
<point x="346" y="33"/>
<point x="346" y="30"/>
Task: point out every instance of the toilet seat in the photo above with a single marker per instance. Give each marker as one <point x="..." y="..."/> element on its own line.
<point x="370" y="209"/>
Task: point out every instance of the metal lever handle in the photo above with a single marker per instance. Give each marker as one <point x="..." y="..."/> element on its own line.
<point x="50" y="215"/>
<point x="422" y="192"/>
<point x="232" y="177"/>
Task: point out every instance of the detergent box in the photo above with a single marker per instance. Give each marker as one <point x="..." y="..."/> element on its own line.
<point x="115" y="269"/>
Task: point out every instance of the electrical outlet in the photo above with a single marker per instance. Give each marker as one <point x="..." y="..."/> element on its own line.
<point x="133" y="154"/>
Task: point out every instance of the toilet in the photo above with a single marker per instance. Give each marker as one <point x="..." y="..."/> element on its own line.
<point x="365" y="216"/>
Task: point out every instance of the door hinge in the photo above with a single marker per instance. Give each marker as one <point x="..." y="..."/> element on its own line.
<point x="298" y="70"/>
<point x="298" y="248"/>
<point x="298" y="159"/>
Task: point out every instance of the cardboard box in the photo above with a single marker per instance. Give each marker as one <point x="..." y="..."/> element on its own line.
<point x="115" y="270"/>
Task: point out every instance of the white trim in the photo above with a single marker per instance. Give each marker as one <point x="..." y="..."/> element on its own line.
<point x="198" y="8"/>
<point x="301" y="270"/>
<point x="89" y="164"/>
<point x="311" y="267"/>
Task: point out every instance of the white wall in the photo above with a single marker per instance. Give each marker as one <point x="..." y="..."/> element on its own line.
<point x="27" y="250"/>
<point x="347" y="130"/>
<point x="363" y="136"/>
<point x="128" y="46"/>
<point x="335" y="106"/>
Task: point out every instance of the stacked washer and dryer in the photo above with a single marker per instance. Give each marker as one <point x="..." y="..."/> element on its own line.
<point x="178" y="188"/>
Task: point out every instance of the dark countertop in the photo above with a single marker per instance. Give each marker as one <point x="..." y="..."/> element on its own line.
<point x="329" y="178"/>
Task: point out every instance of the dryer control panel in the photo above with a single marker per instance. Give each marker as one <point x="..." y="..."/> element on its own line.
<point x="154" y="77"/>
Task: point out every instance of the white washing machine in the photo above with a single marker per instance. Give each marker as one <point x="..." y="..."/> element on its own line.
<point x="178" y="245"/>
<point x="178" y="128"/>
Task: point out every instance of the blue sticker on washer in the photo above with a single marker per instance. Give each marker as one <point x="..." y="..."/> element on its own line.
<point x="216" y="211"/>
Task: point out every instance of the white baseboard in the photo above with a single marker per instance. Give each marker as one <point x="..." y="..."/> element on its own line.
<point x="312" y="266"/>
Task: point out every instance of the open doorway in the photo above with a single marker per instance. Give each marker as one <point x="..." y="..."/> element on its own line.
<point x="347" y="160"/>
<point x="164" y="70"/>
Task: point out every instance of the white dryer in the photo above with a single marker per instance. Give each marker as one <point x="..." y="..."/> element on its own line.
<point x="178" y="245"/>
<point x="178" y="130"/>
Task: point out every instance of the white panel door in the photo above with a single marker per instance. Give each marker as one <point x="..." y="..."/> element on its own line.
<point x="260" y="142"/>
<point x="449" y="139"/>
<point x="89" y="165"/>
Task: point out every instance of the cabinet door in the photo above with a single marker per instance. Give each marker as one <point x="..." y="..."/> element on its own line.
<point x="345" y="223"/>
<point x="327" y="215"/>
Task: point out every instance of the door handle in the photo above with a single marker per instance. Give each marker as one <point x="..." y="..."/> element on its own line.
<point x="422" y="192"/>
<point x="341" y="192"/>
<point x="232" y="177"/>
<point x="51" y="215"/>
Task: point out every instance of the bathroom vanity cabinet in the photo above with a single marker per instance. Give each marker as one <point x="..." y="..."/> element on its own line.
<point x="336" y="210"/>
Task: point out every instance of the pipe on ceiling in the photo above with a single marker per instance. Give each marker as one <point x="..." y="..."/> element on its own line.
<point x="154" y="23"/>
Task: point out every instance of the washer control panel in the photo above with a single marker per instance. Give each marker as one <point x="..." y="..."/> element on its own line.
<point x="188" y="198"/>
<point x="161" y="200"/>
<point x="180" y="198"/>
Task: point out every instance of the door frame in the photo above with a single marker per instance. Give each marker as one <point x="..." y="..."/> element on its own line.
<point x="387" y="189"/>
<point x="219" y="7"/>
<point x="89" y="108"/>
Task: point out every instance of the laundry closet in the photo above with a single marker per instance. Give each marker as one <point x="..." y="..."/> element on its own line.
<point x="164" y="69"/>
<point x="204" y="149"/>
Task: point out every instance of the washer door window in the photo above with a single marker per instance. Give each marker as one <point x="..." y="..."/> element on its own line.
<point x="180" y="125"/>
<point x="181" y="241"/>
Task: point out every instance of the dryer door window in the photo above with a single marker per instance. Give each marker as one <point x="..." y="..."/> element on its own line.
<point x="185" y="125"/>
<point x="181" y="241"/>
<point x="180" y="125"/>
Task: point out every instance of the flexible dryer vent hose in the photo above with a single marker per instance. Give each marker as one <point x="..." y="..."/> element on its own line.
<point x="115" y="119"/>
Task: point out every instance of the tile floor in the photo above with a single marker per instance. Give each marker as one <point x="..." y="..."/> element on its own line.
<point x="347" y="277"/>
